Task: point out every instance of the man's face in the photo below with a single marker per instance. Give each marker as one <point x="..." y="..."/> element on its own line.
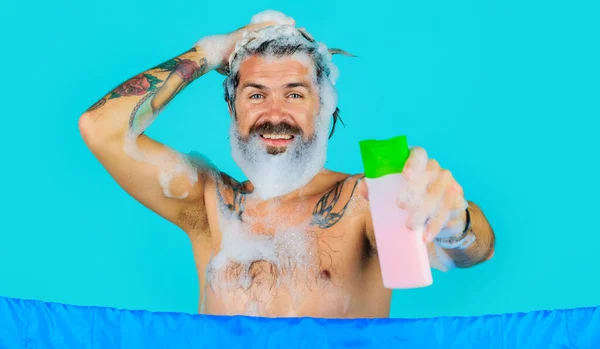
<point x="276" y="101"/>
<point x="278" y="135"/>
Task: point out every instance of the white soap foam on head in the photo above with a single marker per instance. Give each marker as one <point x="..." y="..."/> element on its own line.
<point x="216" y="47"/>
<point x="284" y="34"/>
<point x="272" y="16"/>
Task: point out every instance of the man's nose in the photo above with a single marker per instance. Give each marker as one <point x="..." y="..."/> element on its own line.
<point x="276" y="112"/>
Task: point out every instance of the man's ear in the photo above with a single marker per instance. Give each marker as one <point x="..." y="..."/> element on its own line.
<point x="230" y="107"/>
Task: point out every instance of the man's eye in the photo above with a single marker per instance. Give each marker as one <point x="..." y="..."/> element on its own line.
<point x="256" y="96"/>
<point x="295" y="95"/>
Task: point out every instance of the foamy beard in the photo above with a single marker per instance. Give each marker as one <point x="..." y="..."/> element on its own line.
<point x="279" y="174"/>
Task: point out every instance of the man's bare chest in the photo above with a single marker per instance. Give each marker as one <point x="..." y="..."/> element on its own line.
<point x="303" y="242"/>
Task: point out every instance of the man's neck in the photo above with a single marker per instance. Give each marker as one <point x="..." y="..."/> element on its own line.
<point x="315" y="185"/>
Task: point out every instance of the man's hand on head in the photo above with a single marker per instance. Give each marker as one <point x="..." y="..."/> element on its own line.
<point x="218" y="48"/>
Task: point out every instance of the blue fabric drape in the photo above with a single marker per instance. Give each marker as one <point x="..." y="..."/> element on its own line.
<point x="37" y="324"/>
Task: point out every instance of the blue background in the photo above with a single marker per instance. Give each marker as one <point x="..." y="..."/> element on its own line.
<point x="503" y="93"/>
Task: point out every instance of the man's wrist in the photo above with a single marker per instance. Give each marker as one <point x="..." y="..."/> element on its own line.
<point x="459" y="241"/>
<point x="216" y="50"/>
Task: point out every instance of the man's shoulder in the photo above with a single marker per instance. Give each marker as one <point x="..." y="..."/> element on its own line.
<point x="332" y="181"/>
<point x="347" y="186"/>
<point x="220" y="180"/>
<point x="338" y="177"/>
<point x="343" y="185"/>
<point x="334" y="178"/>
<point x="340" y="199"/>
<point x="348" y="182"/>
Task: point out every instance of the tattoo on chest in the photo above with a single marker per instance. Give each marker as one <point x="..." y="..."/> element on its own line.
<point x="327" y="211"/>
<point x="294" y="259"/>
<point x="236" y="204"/>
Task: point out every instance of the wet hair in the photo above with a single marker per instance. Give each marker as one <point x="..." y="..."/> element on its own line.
<point x="276" y="47"/>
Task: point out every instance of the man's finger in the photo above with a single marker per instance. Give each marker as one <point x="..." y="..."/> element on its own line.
<point x="431" y="204"/>
<point x="416" y="163"/>
<point x="436" y="223"/>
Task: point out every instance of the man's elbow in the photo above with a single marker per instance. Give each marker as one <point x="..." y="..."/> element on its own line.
<point x="490" y="255"/>
<point x="93" y="133"/>
<point x="472" y="261"/>
<point x="88" y="126"/>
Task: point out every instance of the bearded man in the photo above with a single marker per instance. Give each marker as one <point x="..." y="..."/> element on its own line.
<point x="294" y="239"/>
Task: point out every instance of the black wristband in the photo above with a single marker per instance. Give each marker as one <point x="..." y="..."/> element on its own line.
<point x="454" y="239"/>
<point x="468" y="222"/>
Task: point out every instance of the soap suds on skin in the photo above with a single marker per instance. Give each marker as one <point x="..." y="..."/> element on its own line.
<point x="286" y="247"/>
<point x="215" y="47"/>
<point x="281" y="250"/>
<point x="288" y="254"/>
<point x="173" y="166"/>
<point x="261" y="256"/>
<point x="305" y="159"/>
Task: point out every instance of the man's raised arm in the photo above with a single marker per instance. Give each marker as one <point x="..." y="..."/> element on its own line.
<point x="155" y="175"/>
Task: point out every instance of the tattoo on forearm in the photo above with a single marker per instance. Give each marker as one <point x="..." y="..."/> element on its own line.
<point x="136" y="86"/>
<point x="97" y="104"/>
<point x="324" y="215"/>
<point x="187" y="69"/>
<point x="182" y="72"/>
<point x="172" y="63"/>
<point x="167" y="66"/>
<point x="138" y="118"/>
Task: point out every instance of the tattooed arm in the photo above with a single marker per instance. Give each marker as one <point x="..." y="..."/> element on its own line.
<point x="113" y="128"/>
<point x="155" y="175"/>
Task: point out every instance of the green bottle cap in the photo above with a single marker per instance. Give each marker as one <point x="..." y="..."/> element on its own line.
<point x="383" y="157"/>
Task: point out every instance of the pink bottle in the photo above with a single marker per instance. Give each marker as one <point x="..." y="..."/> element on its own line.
<point x="402" y="252"/>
